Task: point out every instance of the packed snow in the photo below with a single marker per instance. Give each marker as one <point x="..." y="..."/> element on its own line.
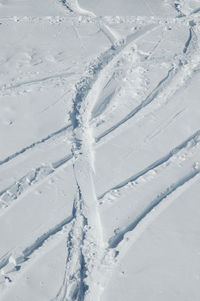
<point x="100" y="150"/>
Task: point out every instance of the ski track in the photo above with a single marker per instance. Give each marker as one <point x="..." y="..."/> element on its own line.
<point x="143" y="104"/>
<point x="103" y="105"/>
<point x="77" y="284"/>
<point x="101" y="62"/>
<point x="188" y="41"/>
<point x="163" y="87"/>
<point x="84" y="102"/>
<point x="74" y="285"/>
<point x="13" y="192"/>
<point x="24" y="255"/>
<point x="81" y="239"/>
<point x="116" y="239"/>
<point x="36" y="143"/>
<point x="193" y="138"/>
<point x="191" y="38"/>
<point x="29" y="250"/>
<point x="137" y="229"/>
<point x="104" y="59"/>
<point x="65" y="159"/>
<point x="35" y="81"/>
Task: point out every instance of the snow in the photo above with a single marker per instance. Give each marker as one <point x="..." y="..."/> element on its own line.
<point x="129" y="8"/>
<point x="100" y="150"/>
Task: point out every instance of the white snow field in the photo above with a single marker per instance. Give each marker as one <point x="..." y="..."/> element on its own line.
<point x="100" y="150"/>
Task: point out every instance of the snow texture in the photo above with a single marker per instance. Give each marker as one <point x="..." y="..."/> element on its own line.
<point x="100" y="150"/>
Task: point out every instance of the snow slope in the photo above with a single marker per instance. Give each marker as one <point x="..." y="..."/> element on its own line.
<point x="100" y="150"/>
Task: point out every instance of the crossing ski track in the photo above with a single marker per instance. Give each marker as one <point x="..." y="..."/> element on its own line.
<point x="176" y="77"/>
<point x="85" y="237"/>
<point x="35" y="177"/>
<point x="160" y="91"/>
<point x="108" y="55"/>
<point x="117" y="239"/>
<point x="74" y="285"/>
<point x="105" y="58"/>
<point x="179" y="73"/>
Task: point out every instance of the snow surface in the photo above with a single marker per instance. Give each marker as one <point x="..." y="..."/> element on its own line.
<point x="100" y="150"/>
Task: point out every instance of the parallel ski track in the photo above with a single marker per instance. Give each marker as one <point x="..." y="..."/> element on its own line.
<point x="115" y="240"/>
<point x="101" y="61"/>
<point x="36" y="143"/>
<point x="63" y="130"/>
<point x="156" y="91"/>
<point x="109" y="55"/>
<point x="161" y="203"/>
<point x="62" y="161"/>
<point x="155" y="94"/>
<point x="148" y="100"/>
<point x="195" y="137"/>
<point x="74" y="286"/>
<point x="80" y="115"/>
<point x="13" y="192"/>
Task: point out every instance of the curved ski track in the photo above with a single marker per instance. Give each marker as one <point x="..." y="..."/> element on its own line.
<point x="84" y="227"/>
<point x="160" y="90"/>
<point x="178" y="69"/>
<point x="75" y="283"/>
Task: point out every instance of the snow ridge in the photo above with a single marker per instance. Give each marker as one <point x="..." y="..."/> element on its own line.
<point x="86" y="235"/>
<point x="90" y="249"/>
